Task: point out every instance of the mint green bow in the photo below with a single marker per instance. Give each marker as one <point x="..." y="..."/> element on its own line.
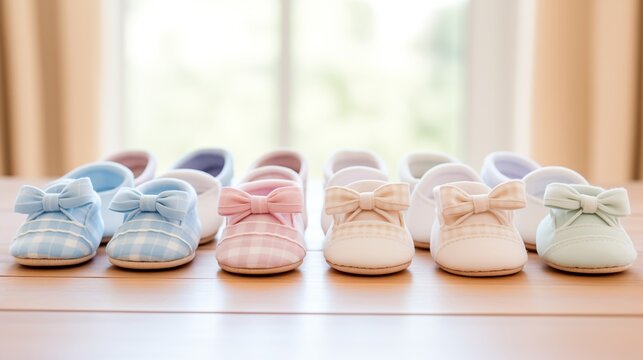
<point x="608" y="204"/>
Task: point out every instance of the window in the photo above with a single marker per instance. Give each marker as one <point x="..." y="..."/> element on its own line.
<point x="251" y="75"/>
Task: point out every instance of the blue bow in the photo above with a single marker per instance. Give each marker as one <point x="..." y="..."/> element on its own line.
<point x="607" y="204"/>
<point x="172" y="204"/>
<point x="35" y="202"/>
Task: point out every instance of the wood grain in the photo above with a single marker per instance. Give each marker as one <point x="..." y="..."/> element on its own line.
<point x="199" y="310"/>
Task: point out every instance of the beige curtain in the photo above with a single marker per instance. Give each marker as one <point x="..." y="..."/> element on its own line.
<point x="587" y="87"/>
<point x="49" y="85"/>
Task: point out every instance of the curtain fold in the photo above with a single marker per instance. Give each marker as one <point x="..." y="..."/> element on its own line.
<point x="587" y="87"/>
<point x="49" y="85"/>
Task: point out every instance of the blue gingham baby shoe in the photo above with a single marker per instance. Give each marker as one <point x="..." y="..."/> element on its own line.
<point x="107" y="178"/>
<point x="63" y="227"/>
<point x="161" y="228"/>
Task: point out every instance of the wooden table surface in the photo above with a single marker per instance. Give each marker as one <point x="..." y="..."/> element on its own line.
<point x="199" y="311"/>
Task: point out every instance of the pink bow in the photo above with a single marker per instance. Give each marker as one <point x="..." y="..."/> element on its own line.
<point x="237" y="204"/>
<point x="457" y="205"/>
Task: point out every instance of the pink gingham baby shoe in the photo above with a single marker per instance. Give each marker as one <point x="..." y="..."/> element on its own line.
<point x="264" y="231"/>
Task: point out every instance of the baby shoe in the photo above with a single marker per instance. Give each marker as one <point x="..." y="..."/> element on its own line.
<point x="161" y="228"/>
<point x="205" y="170"/>
<point x="264" y="233"/>
<point x="368" y="235"/>
<point x="348" y="166"/>
<point x="64" y="224"/>
<point x="107" y="178"/>
<point x="414" y="165"/>
<point x="500" y="167"/>
<point x="284" y="158"/>
<point x="216" y="162"/>
<point x="421" y="213"/>
<point x="582" y="232"/>
<point x="141" y="163"/>
<point x="473" y="234"/>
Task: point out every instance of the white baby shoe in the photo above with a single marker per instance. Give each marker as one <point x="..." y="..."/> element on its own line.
<point x="499" y="167"/>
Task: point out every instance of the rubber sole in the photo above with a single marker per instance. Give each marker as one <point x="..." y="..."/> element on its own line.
<point x="54" y="262"/>
<point x="530" y="247"/>
<point x="604" y="270"/>
<point x="421" y="245"/>
<point x="503" y="272"/>
<point x="263" y="271"/>
<point x="369" y="271"/>
<point x="207" y="239"/>
<point x="151" y="265"/>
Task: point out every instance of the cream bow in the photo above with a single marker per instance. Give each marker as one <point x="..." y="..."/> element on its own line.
<point x="457" y="205"/>
<point x="389" y="197"/>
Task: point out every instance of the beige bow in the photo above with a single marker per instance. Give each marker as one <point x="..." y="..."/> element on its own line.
<point x="389" y="197"/>
<point x="457" y="205"/>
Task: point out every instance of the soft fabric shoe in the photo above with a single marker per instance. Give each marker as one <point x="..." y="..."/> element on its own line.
<point x="64" y="224"/>
<point x="500" y="167"/>
<point x="582" y="232"/>
<point x="141" y="163"/>
<point x="218" y="163"/>
<point x="414" y="165"/>
<point x="421" y="213"/>
<point x="107" y="178"/>
<point x="289" y="159"/>
<point x="473" y="234"/>
<point x="348" y="166"/>
<point x="161" y="228"/>
<point x="264" y="233"/>
<point x="368" y="235"/>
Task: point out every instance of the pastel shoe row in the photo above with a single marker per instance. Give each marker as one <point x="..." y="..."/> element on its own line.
<point x="368" y="235"/>
<point x="107" y="179"/>
<point x="582" y="231"/>
<point x="265" y="217"/>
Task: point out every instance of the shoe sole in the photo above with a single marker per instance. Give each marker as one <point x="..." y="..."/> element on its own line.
<point x="261" y="271"/>
<point x="369" y="271"/>
<point x="530" y="247"/>
<point x="421" y="245"/>
<point x="603" y="270"/>
<point x="54" y="262"/>
<point x="490" y="273"/>
<point x="151" y="265"/>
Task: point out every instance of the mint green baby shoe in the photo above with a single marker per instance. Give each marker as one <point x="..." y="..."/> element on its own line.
<point x="582" y="232"/>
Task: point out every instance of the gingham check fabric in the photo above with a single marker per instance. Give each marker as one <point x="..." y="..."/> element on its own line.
<point x="477" y="231"/>
<point x="64" y="221"/>
<point x="384" y="200"/>
<point x="251" y="244"/>
<point x="161" y="227"/>
<point x="369" y="230"/>
<point x="255" y="244"/>
<point x="456" y="205"/>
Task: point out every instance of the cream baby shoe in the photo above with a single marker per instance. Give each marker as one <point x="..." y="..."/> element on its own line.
<point x="368" y="235"/>
<point x="421" y="213"/>
<point x="582" y="232"/>
<point x="473" y="234"/>
<point x="499" y="167"/>
<point x="348" y="166"/>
